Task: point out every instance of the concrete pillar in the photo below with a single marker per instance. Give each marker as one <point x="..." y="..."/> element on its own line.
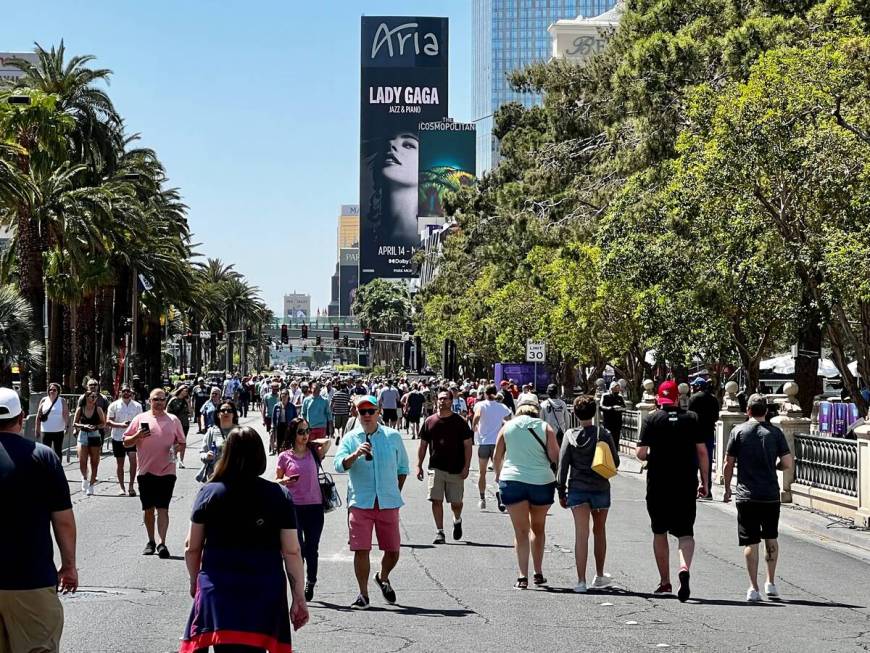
<point x="727" y="421"/>
<point x="862" y="515"/>
<point x="647" y="403"/>
<point x="791" y="421"/>
<point x="683" y="401"/>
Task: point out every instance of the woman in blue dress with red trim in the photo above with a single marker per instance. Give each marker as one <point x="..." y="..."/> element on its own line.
<point x="241" y="541"/>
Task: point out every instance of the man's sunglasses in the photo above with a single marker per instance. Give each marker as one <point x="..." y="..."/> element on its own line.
<point x="367" y="411"/>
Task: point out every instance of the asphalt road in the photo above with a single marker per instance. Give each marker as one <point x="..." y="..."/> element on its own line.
<point x="459" y="596"/>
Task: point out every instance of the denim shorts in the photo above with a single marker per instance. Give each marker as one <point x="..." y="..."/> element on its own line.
<point x="597" y="499"/>
<point x="517" y="491"/>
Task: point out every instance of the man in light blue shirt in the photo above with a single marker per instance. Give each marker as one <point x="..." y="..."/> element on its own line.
<point x="376" y="461"/>
<point x="315" y="411"/>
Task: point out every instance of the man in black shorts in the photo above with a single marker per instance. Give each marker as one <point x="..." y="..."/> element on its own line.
<point x="158" y="438"/>
<point x="756" y="445"/>
<point x="388" y="400"/>
<point x="672" y="443"/>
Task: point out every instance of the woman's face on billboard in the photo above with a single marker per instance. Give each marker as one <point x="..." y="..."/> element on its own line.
<point x="401" y="160"/>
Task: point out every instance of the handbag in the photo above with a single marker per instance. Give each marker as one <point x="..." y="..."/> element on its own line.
<point x="205" y="472"/>
<point x="328" y="492"/>
<point x="553" y="465"/>
<point x="43" y="415"/>
<point x="602" y="461"/>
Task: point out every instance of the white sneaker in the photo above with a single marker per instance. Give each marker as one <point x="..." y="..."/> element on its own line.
<point x="90" y="491"/>
<point x="580" y="587"/>
<point x="601" y="582"/>
<point x="482" y="504"/>
<point x="181" y="464"/>
<point x="771" y="591"/>
<point x="752" y="595"/>
<point x="85" y="485"/>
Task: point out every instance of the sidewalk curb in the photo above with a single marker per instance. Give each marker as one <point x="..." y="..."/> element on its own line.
<point x="802" y="523"/>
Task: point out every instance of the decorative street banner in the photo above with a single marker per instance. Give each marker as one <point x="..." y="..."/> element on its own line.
<point x="403" y="83"/>
<point x="447" y="163"/>
<point x="348" y="278"/>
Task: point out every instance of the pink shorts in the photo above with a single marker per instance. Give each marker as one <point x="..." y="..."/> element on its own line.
<point x="317" y="432"/>
<point x="385" y="522"/>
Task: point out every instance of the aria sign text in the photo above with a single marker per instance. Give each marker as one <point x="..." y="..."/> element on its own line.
<point x="384" y="36"/>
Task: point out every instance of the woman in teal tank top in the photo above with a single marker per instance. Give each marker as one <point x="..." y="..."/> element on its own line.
<point x="525" y="454"/>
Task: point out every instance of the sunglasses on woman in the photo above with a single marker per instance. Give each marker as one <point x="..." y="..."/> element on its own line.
<point x="367" y="411"/>
<point x="303" y="431"/>
<point x="226" y="411"/>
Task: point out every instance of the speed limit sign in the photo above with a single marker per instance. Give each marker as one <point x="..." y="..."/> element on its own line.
<point x="536" y="352"/>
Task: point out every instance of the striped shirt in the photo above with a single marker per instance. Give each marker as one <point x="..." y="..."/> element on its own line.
<point x="340" y="403"/>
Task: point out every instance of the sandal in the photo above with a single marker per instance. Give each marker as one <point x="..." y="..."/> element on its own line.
<point x="538" y="579"/>
<point x="522" y="583"/>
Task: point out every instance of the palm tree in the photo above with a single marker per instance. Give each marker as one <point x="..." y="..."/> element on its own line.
<point x="241" y="307"/>
<point x="211" y="278"/>
<point x="16" y="345"/>
<point x="66" y="107"/>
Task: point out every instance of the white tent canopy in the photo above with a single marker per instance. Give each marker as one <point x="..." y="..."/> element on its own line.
<point x="784" y="364"/>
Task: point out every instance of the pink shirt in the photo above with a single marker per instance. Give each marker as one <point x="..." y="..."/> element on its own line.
<point x="306" y="490"/>
<point x="154" y="453"/>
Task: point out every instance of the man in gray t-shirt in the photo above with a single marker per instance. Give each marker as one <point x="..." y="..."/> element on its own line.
<point x="759" y="449"/>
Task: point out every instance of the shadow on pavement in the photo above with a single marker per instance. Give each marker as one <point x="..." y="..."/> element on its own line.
<point x="401" y="609"/>
<point x="487" y="545"/>
<point x="820" y="604"/>
<point x="418" y="546"/>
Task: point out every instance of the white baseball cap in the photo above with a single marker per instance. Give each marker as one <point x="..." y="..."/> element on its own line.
<point x="10" y="404"/>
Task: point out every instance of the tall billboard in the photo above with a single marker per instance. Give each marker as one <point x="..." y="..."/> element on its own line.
<point x="348" y="279"/>
<point x="403" y="83"/>
<point x="448" y="156"/>
<point x="9" y="73"/>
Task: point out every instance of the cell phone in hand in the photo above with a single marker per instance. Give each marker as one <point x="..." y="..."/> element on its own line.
<point x="145" y="427"/>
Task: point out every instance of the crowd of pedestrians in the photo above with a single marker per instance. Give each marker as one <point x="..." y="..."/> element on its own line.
<point x="249" y="536"/>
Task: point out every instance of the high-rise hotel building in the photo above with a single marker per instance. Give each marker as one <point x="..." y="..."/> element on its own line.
<point x="509" y="35"/>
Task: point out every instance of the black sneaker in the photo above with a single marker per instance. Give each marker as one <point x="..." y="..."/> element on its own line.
<point x="149" y="549"/>
<point x="501" y="506"/>
<point x="457" y="530"/>
<point x="162" y="551"/>
<point x="684" y="593"/>
<point x="309" y="590"/>
<point x="439" y="538"/>
<point x="361" y="603"/>
<point x="386" y="589"/>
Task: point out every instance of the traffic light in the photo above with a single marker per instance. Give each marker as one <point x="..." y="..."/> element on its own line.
<point x="317" y="341"/>
<point x="220" y="334"/>
<point x="284" y="337"/>
<point x="346" y="341"/>
<point x="367" y="336"/>
<point x="189" y="336"/>
<point x="335" y="333"/>
<point x="249" y="333"/>
<point x="304" y="331"/>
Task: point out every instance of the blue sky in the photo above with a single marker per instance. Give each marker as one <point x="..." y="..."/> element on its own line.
<point x="253" y="107"/>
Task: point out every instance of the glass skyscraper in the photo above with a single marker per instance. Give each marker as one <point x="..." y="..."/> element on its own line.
<point x="511" y="34"/>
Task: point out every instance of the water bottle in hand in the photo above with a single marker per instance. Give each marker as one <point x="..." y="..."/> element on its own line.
<point x="369" y="440"/>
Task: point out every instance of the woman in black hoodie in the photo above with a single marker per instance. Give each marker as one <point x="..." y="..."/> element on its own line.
<point x="584" y="491"/>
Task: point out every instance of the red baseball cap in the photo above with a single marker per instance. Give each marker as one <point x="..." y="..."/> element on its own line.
<point x="668" y="393"/>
